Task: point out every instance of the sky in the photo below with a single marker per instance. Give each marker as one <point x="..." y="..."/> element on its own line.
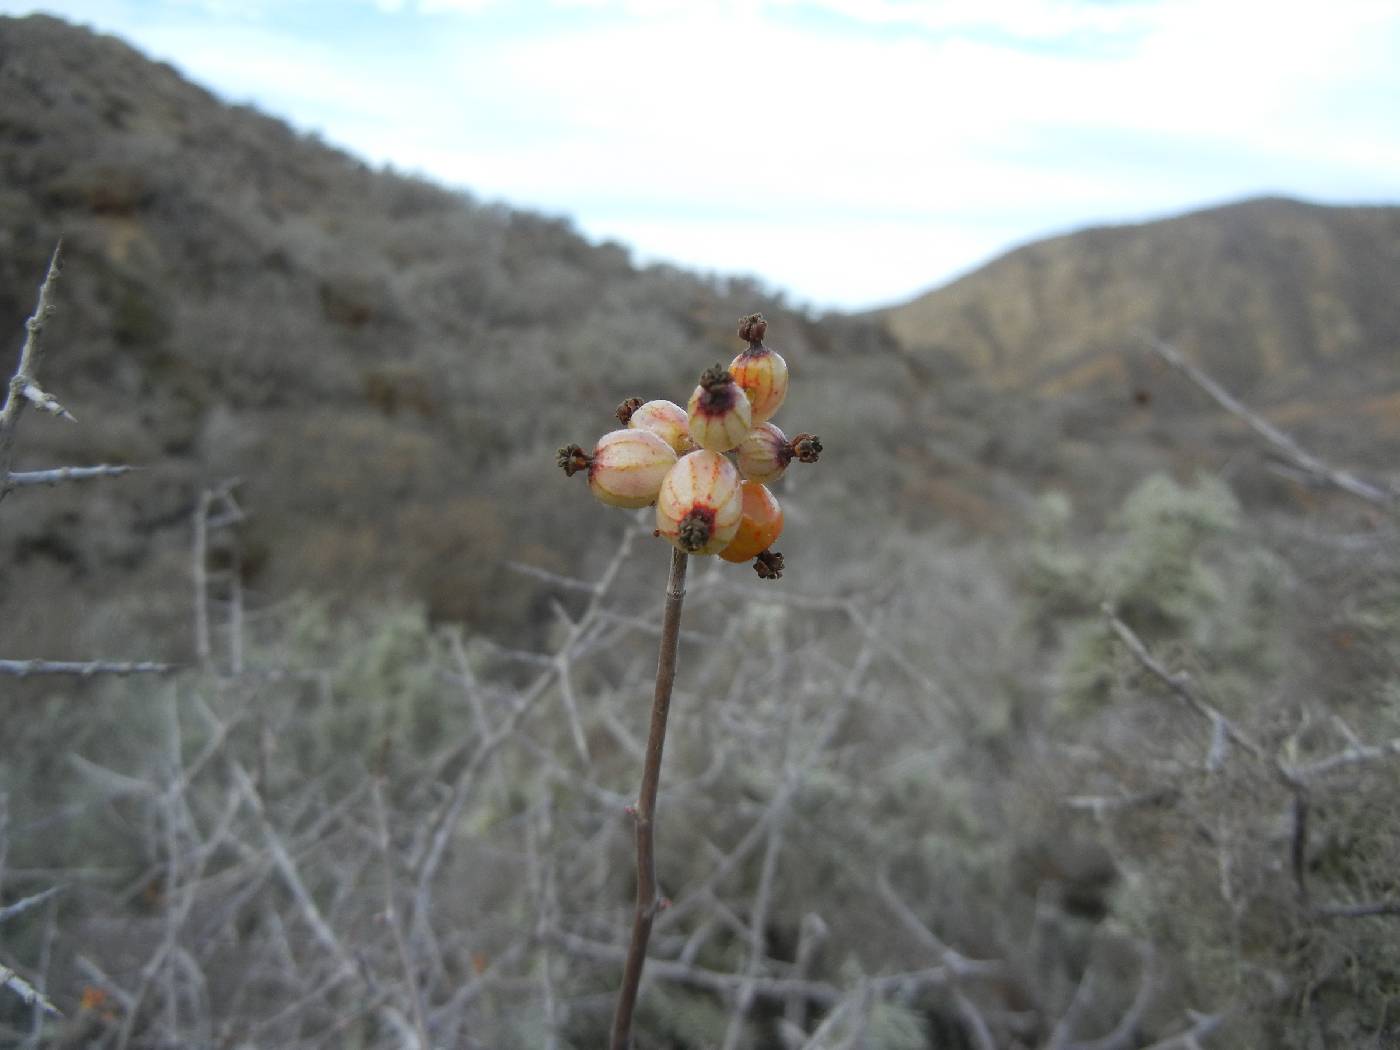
<point x="849" y="153"/>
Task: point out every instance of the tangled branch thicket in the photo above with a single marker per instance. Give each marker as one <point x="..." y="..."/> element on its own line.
<point x="954" y="803"/>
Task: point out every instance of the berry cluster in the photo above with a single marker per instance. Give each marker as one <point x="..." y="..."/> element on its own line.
<point x="678" y="458"/>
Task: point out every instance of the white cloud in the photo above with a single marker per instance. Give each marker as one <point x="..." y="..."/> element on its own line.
<point x="433" y="7"/>
<point x="468" y="7"/>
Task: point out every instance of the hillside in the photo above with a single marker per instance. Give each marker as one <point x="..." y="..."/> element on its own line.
<point x="388" y="365"/>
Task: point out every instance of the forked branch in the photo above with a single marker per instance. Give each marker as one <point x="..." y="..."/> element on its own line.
<point x="24" y="385"/>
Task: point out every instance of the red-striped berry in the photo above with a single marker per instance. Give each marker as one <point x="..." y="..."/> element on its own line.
<point x="700" y="503"/>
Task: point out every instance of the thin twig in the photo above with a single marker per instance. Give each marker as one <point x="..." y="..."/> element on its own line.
<point x="1356" y="754"/>
<point x="758" y="941"/>
<point x="1125" y="1032"/>
<point x="648" y="900"/>
<point x="954" y="960"/>
<point x="1201" y="1025"/>
<point x="26" y="991"/>
<point x="24" y="904"/>
<point x="541" y="877"/>
<point x="811" y="933"/>
<point x="36" y="1022"/>
<point x="978" y="1029"/>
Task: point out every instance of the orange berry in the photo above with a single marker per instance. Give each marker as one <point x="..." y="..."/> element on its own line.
<point x="763" y="376"/>
<point x="719" y="413"/>
<point x="760" y="524"/>
<point x="667" y="420"/>
<point x="700" y="504"/>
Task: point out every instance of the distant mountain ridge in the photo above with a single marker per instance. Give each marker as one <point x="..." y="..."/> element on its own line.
<point x="1276" y="297"/>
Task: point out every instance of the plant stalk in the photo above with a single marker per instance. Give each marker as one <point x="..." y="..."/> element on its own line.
<point x="648" y="901"/>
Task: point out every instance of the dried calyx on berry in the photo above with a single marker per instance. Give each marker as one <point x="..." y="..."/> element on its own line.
<point x="769" y="565"/>
<point x="572" y="459"/>
<point x="718" y="413"/>
<point x="807" y="448"/>
<point x="626" y="409"/>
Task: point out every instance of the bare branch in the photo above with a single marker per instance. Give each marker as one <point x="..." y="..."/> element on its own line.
<point x="1304" y="461"/>
<point x="21" y="479"/>
<point x="288" y="869"/>
<point x="1202" y="1025"/>
<point x="1368" y="910"/>
<point x="811" y="934"/>
<point x="955" y="961"/>
<point x="1180" y="684"/>
<point x="1125" y="1032"/>
<point x="45" y="402"/>
<point x="541" y="879"/>
<point x="36" y="1024"/>
<point x="779" y="988"/>
<point x="24" y="904"/>
<point x="972" y="1017"/>
<point x="1099" y="805"/>
<point x="82" y="669"/>
<point x="391" y="914"/>
<point x="758" y="941"/>
<point x="26" y="991"/>
<point x="570" y="702"/>
<point x="1356" y="754"/>
<point x="24" y="383"/>
<point x="569" y="582"/>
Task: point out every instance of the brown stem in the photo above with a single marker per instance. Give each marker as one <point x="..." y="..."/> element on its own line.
<point x="648" y="901"/>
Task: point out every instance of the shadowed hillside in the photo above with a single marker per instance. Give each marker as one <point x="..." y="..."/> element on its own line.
<point x="387" y="365"/>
